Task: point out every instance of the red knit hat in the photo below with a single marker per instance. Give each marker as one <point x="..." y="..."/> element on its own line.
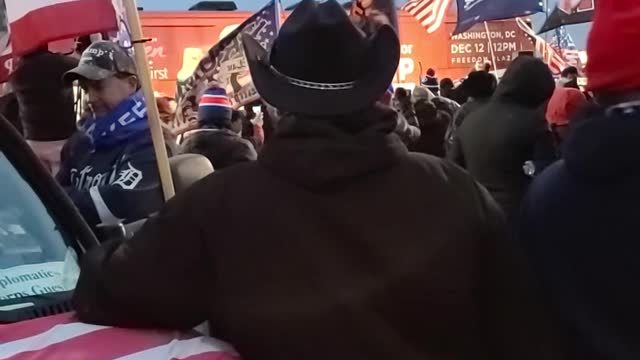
<point x="613" y="47"/>
<point x="563" y="105"/>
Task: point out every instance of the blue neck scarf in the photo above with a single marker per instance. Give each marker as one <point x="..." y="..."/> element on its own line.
<point x="127" y="121"/>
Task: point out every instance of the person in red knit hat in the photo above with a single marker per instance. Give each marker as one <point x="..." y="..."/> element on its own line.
<point x="579" y="219"/>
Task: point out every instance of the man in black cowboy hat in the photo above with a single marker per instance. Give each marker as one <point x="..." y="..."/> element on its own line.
<point x="357" y="249"/>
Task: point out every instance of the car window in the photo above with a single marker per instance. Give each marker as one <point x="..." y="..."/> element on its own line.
<point x="35" y="256"/>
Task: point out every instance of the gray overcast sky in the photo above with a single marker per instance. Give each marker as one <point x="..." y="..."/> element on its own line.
<point x="579" y="32"/>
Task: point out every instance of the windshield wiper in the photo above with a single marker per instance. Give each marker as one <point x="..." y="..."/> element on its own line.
<point x="36" y="306"/>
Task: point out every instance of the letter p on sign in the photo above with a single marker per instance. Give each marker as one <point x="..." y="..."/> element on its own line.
<point x="405" y="67"/>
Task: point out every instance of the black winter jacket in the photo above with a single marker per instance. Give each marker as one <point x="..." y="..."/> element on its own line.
<point x="494" y="142"/>
<point x="366" y="251"/>
<point x="579" y="226"/>
<point x="109" y="185"/>
<point x="222" y="147"/>
<point x="46" y="104"/>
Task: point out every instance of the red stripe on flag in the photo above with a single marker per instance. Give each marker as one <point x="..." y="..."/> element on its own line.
<point x="419" y="8"/>
<point x="409" y="5"/>
<point x="442" y="8"/>
<point x="106" y="344"/>
<point x="61" y="21"/>
<point x="30" y="328"/>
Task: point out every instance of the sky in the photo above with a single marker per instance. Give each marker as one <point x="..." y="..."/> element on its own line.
<point x="579" y="32"/>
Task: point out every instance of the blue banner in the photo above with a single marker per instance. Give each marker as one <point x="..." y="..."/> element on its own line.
<point x="471" y="12"/>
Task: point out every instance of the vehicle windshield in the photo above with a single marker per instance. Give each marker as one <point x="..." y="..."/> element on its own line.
<point x="35" y="258"/>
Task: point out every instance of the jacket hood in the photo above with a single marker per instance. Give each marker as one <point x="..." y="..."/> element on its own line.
<point x="422" y="93"/>
<point x="323" y="154"/>
<point x="602" y="148"/>
<point x="527" y="82"/>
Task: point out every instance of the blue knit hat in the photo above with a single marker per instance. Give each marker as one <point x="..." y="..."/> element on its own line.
<point x="214" y="109"/>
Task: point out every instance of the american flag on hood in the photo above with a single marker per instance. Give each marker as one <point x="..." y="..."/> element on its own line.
<point x="63" y="337"/>
<point x="429" y="13"/>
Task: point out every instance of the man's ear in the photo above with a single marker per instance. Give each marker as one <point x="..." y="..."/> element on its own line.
<point x="134" y="82"/>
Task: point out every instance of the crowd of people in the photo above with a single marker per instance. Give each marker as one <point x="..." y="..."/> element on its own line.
<point x="350" y="220"/>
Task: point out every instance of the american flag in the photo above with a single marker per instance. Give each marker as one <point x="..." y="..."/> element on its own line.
<point x="563" y="43"/>
<point x="544" y="49"/>
<point x="429" y="13"/>
<point x="37" y="22"/>
<point x="552" y="57"/>
<point x="63" y="337"/>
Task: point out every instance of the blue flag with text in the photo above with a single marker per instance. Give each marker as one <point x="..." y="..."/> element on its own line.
<point x="471" y="12"/>
<point x="225" y="64"/>
<point x="569" y="12"/>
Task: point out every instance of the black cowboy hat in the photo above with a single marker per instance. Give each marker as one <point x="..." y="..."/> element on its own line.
<point x="321" y="64"/>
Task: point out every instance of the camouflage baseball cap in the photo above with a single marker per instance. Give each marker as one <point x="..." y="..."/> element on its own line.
<point x="100" y="61"/>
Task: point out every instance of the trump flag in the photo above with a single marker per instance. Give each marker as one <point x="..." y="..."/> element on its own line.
<point x="226" y="66"/>
<point x="570" y="12"/>
<point x="471" y="12"/>
<point x="34" y="23"/>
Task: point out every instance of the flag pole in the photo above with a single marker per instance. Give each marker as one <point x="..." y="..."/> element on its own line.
<point x="159" y="146"/>
<point x="493" y="56"/>
<point x="546" y="17"/>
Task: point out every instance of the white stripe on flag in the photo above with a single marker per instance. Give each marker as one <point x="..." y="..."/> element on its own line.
<point x="55" y="335"/>
<point x="422" y="9"/>
<point x="182" y="349"/>
<point x="16" y="9"/>
<point x="441" y="13"/>
<point x="429" y="13"/>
